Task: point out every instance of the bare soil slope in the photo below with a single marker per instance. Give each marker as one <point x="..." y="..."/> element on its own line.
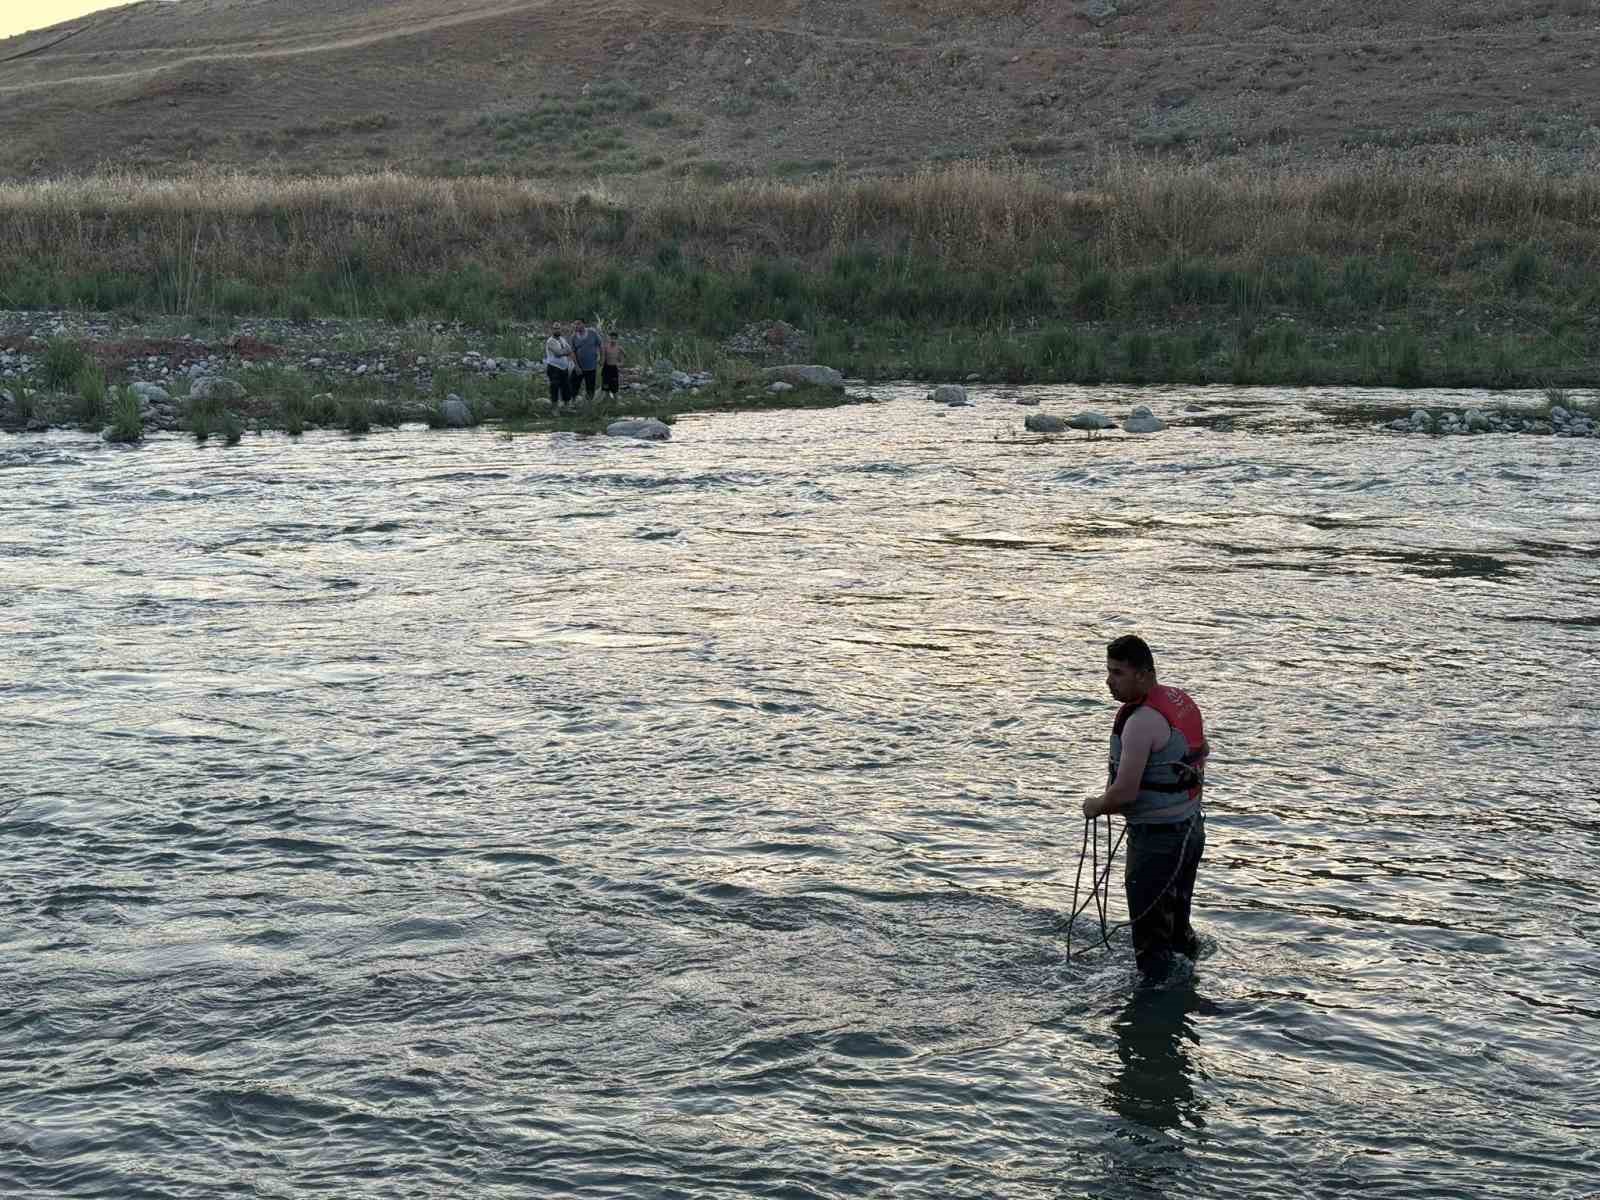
<point x="628" y="89"/>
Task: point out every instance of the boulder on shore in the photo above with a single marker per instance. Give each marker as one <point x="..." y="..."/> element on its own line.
<point x="456" y="413"/>
<point x="647" y="428"/>
<point x="153" y="392"/>
<point x="214" y="387"/>
<point x="1044" y="423"/>
<point x="810" y="375"/>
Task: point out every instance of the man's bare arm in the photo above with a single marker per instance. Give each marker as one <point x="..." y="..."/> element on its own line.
<point x="1138" y="741"/>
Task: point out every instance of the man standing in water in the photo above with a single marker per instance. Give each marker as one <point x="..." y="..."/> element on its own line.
<point x="1158" y="763"/>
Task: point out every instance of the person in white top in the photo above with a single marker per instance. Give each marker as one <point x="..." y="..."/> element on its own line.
<point x="558" y="365"/>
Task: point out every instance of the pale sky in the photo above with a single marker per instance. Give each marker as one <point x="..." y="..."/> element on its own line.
<point x="18" y="16"/>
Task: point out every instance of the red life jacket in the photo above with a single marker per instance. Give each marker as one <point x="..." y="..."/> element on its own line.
<point x="1169" y="789"/>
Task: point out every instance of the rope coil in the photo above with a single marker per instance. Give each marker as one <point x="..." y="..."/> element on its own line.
<point x="1100" y="893"/>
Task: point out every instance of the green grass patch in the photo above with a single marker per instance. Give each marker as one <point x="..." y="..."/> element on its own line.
<point x="90" y="383"/>
<point x="208" y="418"/>
<point x="63" y="360"/>
<point x="126" y="425"/>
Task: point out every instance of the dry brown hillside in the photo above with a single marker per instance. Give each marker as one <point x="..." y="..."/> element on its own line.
<point x="631" y="90"/>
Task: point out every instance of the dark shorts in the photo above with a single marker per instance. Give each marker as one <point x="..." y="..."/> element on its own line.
<point x="1161" y="866"/>
<point x="585" y="379"/>
<point x="610" y="377"/>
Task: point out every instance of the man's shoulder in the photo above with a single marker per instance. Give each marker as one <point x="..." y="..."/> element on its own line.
<point x="1147" y="721"/>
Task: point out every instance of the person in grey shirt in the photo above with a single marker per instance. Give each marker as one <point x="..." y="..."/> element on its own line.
<point x="586" y="344"/>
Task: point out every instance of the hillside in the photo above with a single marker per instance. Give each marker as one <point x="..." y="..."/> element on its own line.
<point x="624" y="90"/>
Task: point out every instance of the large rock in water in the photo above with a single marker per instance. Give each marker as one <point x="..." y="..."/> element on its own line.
<point x="214" y="387"/>
<point x="1091" y="420"/>
<point x="456" y="413"/>
<point x="1142" y="420"/>
<point x="1044" y="423"/>
<point x="639" y="427"/>
<point x="808" y="376"/>
<point x="948" y="393"/>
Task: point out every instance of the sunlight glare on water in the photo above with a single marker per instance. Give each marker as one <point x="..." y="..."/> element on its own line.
<point x="447" y="815"/>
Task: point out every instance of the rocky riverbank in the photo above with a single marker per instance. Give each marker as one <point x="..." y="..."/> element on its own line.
<point x="67" y="369"/>
<point x="1558" y="421"/>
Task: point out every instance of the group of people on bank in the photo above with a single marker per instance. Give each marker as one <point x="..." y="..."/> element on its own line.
<point x="572" y="362"/>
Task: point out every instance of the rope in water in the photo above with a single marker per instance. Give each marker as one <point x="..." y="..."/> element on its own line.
<point x="1100" y="892"/>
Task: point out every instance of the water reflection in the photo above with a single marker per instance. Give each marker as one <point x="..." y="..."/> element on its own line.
<point x="1156" y="1037"/>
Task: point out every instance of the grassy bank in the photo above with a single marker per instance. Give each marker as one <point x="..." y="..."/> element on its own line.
<point x="1473" y="277"/>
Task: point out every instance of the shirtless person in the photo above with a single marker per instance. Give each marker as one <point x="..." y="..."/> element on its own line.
<point x="611" y="366"/>
<point x="1158" y="762"/>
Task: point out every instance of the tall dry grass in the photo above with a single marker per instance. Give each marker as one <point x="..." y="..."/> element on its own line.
<point x="202" y="230"/>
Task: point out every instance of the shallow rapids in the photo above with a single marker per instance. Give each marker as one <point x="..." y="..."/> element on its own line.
<point x="456" y="815"/>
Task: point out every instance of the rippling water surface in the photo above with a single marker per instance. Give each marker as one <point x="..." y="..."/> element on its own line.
<point x="455" y="816"/>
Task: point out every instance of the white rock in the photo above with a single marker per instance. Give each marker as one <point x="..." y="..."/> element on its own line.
<point x="808" y="376"/>
<point x="1142" y="420"/>
<point x="780" y="387"/>
<point x="948" y="393"/>
<point x="639" y="427"/>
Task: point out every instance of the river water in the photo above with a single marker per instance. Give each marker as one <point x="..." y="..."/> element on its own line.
<point x="455" y="815"/>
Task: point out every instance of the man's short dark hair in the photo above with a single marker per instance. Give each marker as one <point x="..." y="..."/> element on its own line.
<point x="1132" y="649"/>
